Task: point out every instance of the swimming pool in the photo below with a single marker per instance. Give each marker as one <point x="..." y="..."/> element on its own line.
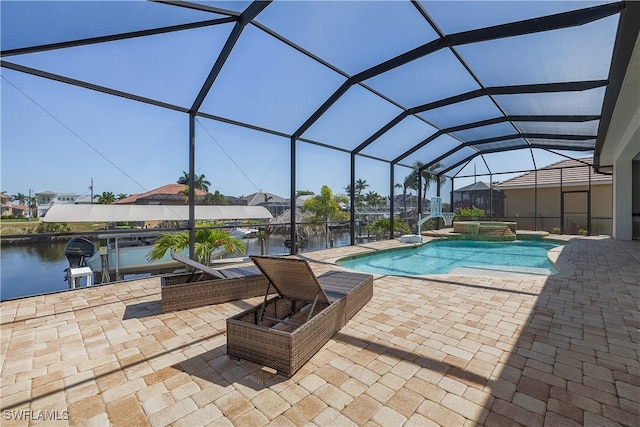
<point x="459" y="257"/>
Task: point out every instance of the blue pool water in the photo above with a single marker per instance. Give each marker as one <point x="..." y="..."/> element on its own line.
<point x="459" y="257"/>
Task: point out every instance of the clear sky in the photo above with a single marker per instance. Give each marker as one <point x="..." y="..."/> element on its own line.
<point x="59" y="137"/>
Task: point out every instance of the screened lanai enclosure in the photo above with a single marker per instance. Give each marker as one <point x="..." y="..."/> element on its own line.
<point x="301" y="94"/>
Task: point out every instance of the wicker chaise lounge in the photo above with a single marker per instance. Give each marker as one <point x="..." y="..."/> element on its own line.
<point x="285" y="331"/>
<point x="205" y="286"/>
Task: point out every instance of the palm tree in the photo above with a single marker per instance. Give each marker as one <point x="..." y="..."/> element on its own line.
<point x="374" y="200"/>
<point x="361" y="185"/>
<point x="21" y="198"/>
<point x="428" y="175"/>
<point x="121" y="196"/>
<point x="217" y="198"/>
<point x="185" y="193"/>
<point x="406" y="185"/>
<point x="106" y="198"/>
<point x="199" y="181"/>
<point x="184" y="179"/>
<point x="207" y="240"/>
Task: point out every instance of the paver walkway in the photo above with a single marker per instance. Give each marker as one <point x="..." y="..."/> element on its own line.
<point x="445" y="350"/>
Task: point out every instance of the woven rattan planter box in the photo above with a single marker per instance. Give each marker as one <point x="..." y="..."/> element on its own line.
<point x="282" y="346"/>
<point x="178" y="294"/>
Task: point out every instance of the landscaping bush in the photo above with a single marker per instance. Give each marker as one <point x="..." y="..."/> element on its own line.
<point x="13" y="218"/>
<point x="381" y="227"/>
<point x="53" y="227"/>
<point x="472" y="212"/>
<point x="430" y="224"/>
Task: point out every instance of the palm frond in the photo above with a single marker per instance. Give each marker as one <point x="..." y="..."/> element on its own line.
<point x="173" y="241"/>
<point x="206" y="241"/>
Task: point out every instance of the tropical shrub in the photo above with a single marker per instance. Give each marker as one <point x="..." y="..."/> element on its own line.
<point x="324" y="207"/>
<point x="470" y="212"/>
<point x="429" y="224"/>
<point x="207" y="240"/>
<point x="53" y="227"/>
<point x="381" y="227"/>
<point x="16" y="218"/>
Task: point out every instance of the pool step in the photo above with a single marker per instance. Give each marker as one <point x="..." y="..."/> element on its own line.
<point x="496" y="232"/>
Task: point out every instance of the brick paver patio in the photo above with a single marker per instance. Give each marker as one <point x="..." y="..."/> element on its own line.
<point x="444" y="350"/>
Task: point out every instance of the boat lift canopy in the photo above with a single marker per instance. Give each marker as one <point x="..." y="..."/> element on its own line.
<point x="123" y="213"/>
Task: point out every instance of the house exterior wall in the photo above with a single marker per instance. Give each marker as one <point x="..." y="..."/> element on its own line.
<point x="46" y="199"/>
<point x="5" y="205"/>
<point x="623" y="208"/>
<point x="635" y="197"/>
<point x="19" y="210"/>
<point x="635" y="187"/>
<point x="521" y="203"/>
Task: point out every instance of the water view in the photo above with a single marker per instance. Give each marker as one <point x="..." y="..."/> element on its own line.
<point x="37" y="268"/>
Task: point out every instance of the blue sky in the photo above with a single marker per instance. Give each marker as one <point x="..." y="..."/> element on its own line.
<point x="59" y="137"/>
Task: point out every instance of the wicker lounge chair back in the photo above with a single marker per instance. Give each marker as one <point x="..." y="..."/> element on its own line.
<point x="292" y="278"/>
<point x="198" y="266"/>
<point x="225" y="273"/>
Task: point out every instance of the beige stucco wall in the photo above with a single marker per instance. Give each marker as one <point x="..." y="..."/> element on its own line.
<point x="635" y="185"/>
<point x="521" y="202"/>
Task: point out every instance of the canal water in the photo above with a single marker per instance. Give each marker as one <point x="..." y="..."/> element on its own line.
<point x="38" y="268"/>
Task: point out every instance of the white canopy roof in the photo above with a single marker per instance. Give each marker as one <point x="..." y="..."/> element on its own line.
<point x="121" y="213"/>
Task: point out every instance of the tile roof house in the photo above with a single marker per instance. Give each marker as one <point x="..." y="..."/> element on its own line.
<point x="574" y="173"/>
<point x="567" y="194"/>
<point x="170" y="194"/>
<point x="260" y="198"/>
<point x="5" y="204"/>
<point x="19" y="210"/>
<point x="275" y="204"/>
<point x="482" y="196"/>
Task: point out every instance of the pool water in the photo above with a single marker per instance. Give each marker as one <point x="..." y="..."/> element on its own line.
<point x="459" y="257"/>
